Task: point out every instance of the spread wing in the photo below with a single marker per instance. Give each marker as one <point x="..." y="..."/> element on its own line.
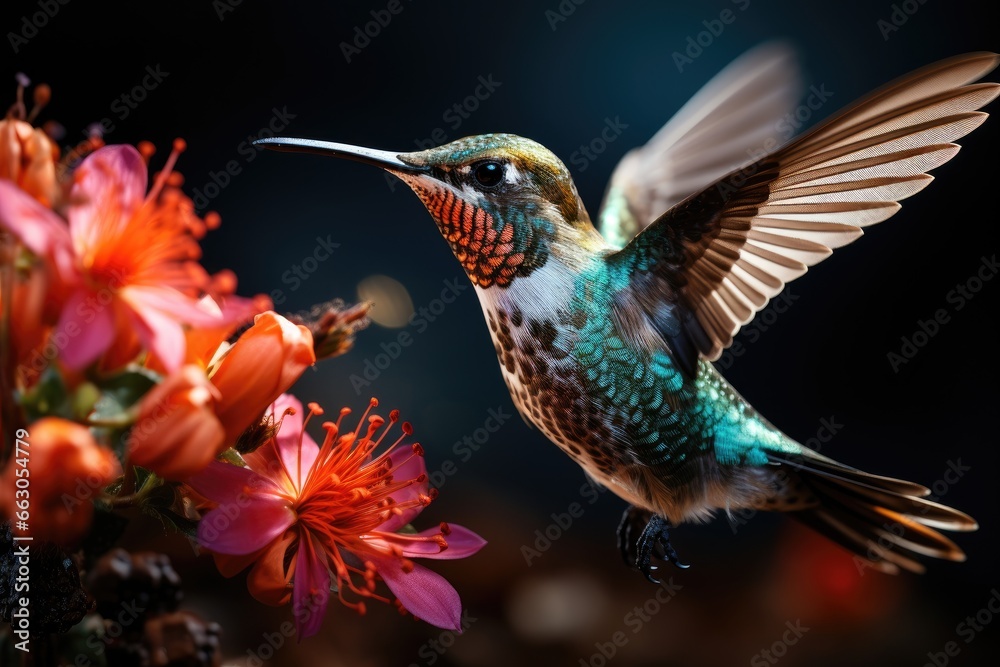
<point x="710" y="136"/>
<point x="705" y="267"/>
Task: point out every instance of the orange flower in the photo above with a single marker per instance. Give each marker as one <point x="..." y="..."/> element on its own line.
<point x="61" y="469"/>
<point x="27" y="157"/>
<point x="31" y="314"/>
<point x="258" y="368"/>
<point x="177" y="433"/>
<point x="189" y="419"/>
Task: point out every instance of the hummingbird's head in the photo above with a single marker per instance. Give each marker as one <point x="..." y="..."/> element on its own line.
<point x="504" y="203"/>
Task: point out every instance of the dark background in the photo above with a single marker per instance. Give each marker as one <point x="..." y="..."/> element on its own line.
<point x="823" y="358"/>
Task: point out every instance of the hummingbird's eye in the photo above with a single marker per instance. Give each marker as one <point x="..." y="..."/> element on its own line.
<point x="488" y="174"/>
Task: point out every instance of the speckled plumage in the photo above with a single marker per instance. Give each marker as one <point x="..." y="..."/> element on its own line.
<point x="627" y="414"/>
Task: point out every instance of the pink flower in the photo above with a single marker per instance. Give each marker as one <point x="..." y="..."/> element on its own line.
<point x="307" y="516"/>
<point x="126" y="262"/>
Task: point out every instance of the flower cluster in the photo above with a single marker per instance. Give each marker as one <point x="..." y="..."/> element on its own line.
<point x="136" y="376"/>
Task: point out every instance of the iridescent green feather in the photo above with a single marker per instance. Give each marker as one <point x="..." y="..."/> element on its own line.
<point x="667" y="419"/>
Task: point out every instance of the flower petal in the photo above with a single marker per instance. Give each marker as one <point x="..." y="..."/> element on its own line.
<point x="269" y="579"/>
<point x="462" y="542"/>
<point x="423" y="593"/>
<point x="203" y="341"/>
<point x="230" y="566"/>
<point x="108" y="188"/>
<point x="87" y="327"/>
<point x="38" y="228"/>
<point x="161" y="333"/>
<point x="311" y="587"/>
<point x="262" y="364"/>
<point x="290" y="435"/>
<point x="176" y="433"/>
<point x="224" y="482"/>
<point x="245" y="524"/>
<point x="203" y="312"/>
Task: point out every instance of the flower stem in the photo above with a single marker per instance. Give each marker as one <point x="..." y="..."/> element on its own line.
<point x="122" y="419"/>
<point x="128" y="483"/>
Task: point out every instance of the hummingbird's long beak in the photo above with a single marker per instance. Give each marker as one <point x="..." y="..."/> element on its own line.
<point x="385" y="159"/>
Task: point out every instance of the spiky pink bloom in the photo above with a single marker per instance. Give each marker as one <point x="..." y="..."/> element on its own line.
<point x="308" y="515"/>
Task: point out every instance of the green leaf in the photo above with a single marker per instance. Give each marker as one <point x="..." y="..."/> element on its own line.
<point x="122" y="391"/>
<point x="159" y="497"/>
<point x="184" y="525"/>
<point x="48" y="397"/>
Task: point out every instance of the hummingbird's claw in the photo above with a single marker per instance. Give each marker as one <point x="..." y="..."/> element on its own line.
<point x="653" y="542"/>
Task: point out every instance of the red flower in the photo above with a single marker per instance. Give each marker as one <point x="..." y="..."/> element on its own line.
<point x="307" y="516"/>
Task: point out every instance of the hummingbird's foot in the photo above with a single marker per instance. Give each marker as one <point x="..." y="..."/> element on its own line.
<point x="634" y="521"/>
<point x="653" y="542"/>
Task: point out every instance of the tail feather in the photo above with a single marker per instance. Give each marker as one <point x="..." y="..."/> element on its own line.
<point x="913" y="535"/>
<point x="886" y="522"/>
<point x="865" y="547"/>
<point x="925" y="511"/>
<point x="835" y="470"/>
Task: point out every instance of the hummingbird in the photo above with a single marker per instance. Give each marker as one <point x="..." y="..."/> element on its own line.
<point x="606" y="338"/>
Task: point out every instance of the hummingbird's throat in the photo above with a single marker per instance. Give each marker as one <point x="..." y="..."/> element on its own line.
<point x="486" y="247"/>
